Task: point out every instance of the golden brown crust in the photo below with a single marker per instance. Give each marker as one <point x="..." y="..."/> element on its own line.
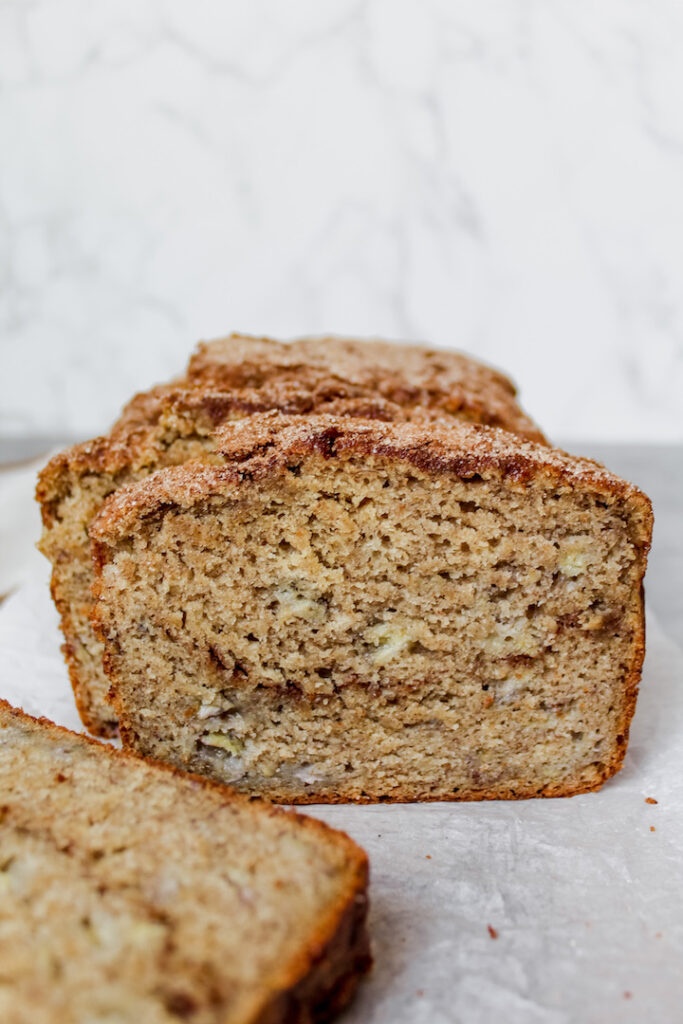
<point x="214" y="402"/>
<point x="464" y="796"/>
<point x="260" y="445"/>
<point x="409" y="375"/>
<point x="328" y="974"/>
<point x="322" y="980"/>
<point x="136" y="439"/>
<point x="632" y="681"/>
<point x="104" y="728"/>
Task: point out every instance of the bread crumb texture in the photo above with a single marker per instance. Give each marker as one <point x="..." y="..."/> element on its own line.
<point x="228" y="380"/>
<point x="131" y="894"/>
<point x="360" y="611"/>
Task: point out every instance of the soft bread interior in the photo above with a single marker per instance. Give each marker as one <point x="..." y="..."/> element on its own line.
<point x="360" y="628"/>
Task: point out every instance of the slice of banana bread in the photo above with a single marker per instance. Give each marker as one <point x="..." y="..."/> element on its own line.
<point x="175" y="422"/>
<point x="349" y="610"/>
<point x="133" y="894"/>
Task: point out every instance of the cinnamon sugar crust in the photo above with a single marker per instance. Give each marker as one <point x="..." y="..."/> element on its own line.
<point x="261" y="444"/>
<point x="349" y="610"/>
<point x="408" y="375"/>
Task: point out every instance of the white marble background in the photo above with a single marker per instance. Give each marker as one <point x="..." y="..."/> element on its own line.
<point x="505" y="177"/>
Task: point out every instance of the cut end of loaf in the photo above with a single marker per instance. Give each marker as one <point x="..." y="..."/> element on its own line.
<point x="226" y="380"/>
<point x="369" y="612"/>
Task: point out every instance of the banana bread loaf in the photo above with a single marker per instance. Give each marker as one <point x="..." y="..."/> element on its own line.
<point x="137" y="895"/>
<point x="355" y="610"/>
<point x="173" y="423"/>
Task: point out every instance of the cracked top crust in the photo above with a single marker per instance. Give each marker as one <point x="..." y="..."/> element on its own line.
<point x="170" y="411"/>
<point x="266" y="443"/>
<point x="239" y="376"/>
<point x="405" y="374"/>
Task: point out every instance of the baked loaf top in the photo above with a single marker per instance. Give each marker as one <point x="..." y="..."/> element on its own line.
<point x="408" y="375"/>
<point x="263" y="443"/>
<point x="135" y="893"/>
<point x="240" y="375"/>
<point x="168" y="415"/>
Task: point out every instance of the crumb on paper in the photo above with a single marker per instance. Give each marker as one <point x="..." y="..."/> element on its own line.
<point x="652" y="828"/>
<point x="651" y="800"/>
<point x="493" y="932"/>
<point x="428" y="856"/>
<point x="628" y="995"/>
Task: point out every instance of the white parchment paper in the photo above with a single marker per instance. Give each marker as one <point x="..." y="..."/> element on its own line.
<point x="583" y="899"/>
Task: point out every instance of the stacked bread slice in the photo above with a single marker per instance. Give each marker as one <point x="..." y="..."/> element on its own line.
<point x="337" y="571"/>
<point x="132" y="893"/>
<point x="225" y="381"/>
